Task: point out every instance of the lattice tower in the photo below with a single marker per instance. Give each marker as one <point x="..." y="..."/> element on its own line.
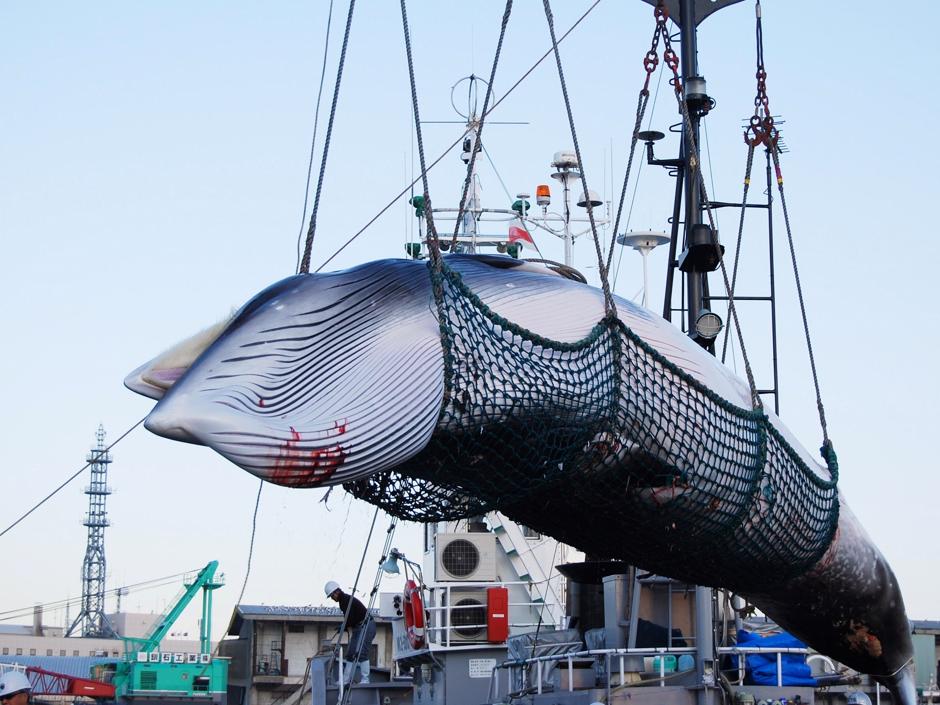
<point x="92" y="621"/>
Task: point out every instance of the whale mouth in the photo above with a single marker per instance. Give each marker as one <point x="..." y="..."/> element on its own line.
<point x="154" y="378"/>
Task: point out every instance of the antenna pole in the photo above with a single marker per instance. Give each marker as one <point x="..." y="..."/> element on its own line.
<point x="696" y="281"/>
<point x="697" y="293"/>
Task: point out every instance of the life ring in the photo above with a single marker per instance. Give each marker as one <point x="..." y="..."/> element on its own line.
<point x="414" y="615"/>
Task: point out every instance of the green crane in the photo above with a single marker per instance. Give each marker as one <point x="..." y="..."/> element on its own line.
<point x="205" y="581"/>
<point x="146" y="672"/>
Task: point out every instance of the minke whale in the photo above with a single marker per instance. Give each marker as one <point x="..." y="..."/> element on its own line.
<point x="343" y="378"/>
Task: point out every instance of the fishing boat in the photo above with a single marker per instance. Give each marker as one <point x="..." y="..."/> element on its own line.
<point x="481" y="617"/>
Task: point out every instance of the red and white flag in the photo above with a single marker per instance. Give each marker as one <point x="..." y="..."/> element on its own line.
<point x="517" y="234"/>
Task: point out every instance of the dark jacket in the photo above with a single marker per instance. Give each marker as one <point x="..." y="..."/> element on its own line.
<point x="357" y="613"/>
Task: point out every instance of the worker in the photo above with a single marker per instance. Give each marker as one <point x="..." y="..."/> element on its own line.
<point x="14" y="688"/>
<point x="361" y="628"/>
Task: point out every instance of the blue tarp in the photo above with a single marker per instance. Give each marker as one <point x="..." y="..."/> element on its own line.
<point x="762" y="669"/>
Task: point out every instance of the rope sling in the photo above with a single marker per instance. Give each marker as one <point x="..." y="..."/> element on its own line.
<point x="608" y="431"/>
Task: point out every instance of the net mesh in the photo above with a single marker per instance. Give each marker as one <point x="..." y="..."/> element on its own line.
<point x="607" y="446"/>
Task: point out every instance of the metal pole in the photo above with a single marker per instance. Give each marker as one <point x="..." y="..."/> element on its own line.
<point x="705" y="651"/>
<point x="696" y="294"/>
<point x="568" y="254"/>
<point x="693" y="212"/>
<point x="674" y="237"/>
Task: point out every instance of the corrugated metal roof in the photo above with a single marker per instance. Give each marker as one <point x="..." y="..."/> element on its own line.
<point x="926" y="625"/>
<point x="300" y="613"/>
<point x="288" y="611"/>
<point x="75" y="666"/>
<point x="18" y="629"/>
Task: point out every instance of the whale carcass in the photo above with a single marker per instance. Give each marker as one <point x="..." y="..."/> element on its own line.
<point x="496" y="384"/>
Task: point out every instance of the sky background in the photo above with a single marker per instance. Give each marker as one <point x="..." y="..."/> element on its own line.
<point x="152" y="167"/>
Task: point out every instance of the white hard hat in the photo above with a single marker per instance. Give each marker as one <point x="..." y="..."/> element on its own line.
<point x="13" y="682"/>
<point x="331" y="587"/>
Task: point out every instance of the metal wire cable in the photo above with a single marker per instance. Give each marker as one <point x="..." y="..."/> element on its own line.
<point x="457" y="141"/>
<point x="251" y="542"/>
<point x="609" y="305"/>
<point x="313" y="139"/>
<point x="311" y="232"/>
<point x="640" y="111"/>
<point x="62" y="604"/>
<point x="737" y="246"/>
<point x="479" y="132"/>
<point x="827" y="444"/>
<point x="54" y="492"/>
<point x="636" y="183"/>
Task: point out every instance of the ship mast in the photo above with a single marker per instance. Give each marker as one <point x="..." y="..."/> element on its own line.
<point x="700" y="255"/>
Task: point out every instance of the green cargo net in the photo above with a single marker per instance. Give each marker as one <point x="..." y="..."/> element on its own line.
<point x="644" y="462"/>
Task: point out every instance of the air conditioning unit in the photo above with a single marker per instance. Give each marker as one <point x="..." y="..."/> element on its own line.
<point x="466" y="612"/>
<point x="465" y="557"/>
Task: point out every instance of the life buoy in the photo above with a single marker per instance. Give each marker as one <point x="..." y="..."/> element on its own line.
<point x="414" y="615"/>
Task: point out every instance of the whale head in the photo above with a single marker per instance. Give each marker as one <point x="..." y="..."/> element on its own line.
<point x="319" y="379"/>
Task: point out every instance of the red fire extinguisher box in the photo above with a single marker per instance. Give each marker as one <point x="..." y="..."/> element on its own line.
<point x="497" y="614"/>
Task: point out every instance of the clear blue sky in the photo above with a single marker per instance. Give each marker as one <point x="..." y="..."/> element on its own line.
<point x="152" y="166"/>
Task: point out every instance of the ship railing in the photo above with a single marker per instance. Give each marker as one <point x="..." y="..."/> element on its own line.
<point x="742" y="651"/>
<point x="441" y="625"/>
<point x="609" y="656"/>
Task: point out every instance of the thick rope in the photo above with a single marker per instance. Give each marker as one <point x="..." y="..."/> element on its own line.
<point x="434" y="246"/>
<point x="313" y="139"/>
<point x="311" y="231"/>
<point x="443" y="154"/>
<point x="479" y="139"/>
<point x="609" y="304"/>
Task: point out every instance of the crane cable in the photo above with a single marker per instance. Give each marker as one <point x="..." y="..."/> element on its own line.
<point x="650" y="62"/>
<point x="447" y="151"/>
<point x="311" y="231"/>
<point x="94" y="457"/>
<point x="313" y="139"/>
<point x="761" y="130"/>
<point x="694" y="169"/>
<point x="478" y="143"/>
<point x="609" y="306"/>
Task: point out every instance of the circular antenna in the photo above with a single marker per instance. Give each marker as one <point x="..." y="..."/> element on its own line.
<point x="472" y="95"/>
<point x="650" y="135"/>
<point x="641" y="241"/>
<point x="590" y="196"/>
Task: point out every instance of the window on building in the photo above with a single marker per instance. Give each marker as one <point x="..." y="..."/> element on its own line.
<point x="61" y="652"/>
<point x="48" y="652"/>
<point x="295" y="627"/>
<point x="75" y="653"/>
<point x="530" y="533"/>
<point x="19" y="652"/>
<point x="6" y="651"/>
<point x="91" y="653"/>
